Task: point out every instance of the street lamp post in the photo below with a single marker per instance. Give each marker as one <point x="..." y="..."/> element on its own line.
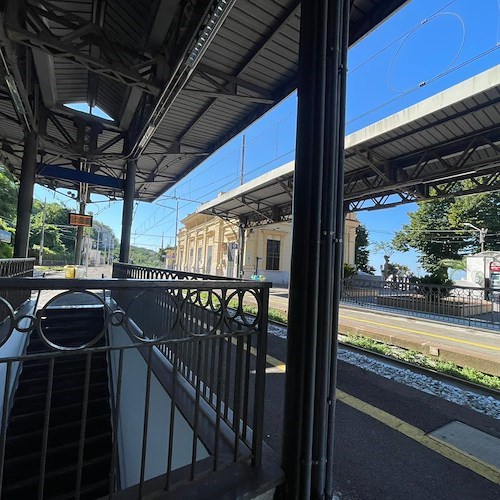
<point x="482" y="233"/>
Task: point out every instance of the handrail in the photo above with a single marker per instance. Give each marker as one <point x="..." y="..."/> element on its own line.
<point x="121" y="283"/>
<point x="197" y="326"/>
<point x="19" y="268"/>
<point x="123" y="270"/>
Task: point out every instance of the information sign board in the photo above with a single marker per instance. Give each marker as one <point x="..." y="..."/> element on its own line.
<point x="80" y="220"/>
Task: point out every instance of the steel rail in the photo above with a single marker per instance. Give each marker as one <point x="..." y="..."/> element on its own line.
<point x="388" y="359"/>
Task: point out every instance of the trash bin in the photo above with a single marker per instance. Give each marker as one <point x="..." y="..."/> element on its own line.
<point x="79" y="272"/>
<point x="69" y="271"/>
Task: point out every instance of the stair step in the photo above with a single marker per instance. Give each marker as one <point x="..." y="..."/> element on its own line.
<point x="61" y="397"/>
<point x="69" y="327"/>
<point x="76" y="336"/>
<point x="29" y="422"/>
<point x="63" y="365"/>
<point x="39" y="346"/>
<point x="61" y="481"/>
<point x="39" y="383"/>
<point x="19" y="468"/>
<point x="91" y="492"/>
<point x="32" y="441"/>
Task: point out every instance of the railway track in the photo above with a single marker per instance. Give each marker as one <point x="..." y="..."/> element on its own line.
<point x="398" y="363"/>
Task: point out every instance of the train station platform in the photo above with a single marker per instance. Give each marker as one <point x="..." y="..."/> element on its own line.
<point x="460" y="344"/>
<point x="393" y="441"/>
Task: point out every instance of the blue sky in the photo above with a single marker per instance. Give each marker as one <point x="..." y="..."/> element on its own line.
<point x="427" y="46"/>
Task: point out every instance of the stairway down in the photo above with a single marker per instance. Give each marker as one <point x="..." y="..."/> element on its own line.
<point x="69" y="438"/>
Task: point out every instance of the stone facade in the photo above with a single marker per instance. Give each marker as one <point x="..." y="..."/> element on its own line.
<point x="209" y="245"/>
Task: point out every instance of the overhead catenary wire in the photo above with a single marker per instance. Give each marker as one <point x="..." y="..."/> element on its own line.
<point x="422" y="84"/>
<point x="401" y="37"/>
<point x="406" y="38"/>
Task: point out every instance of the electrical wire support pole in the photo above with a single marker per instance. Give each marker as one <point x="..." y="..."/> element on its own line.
<point x="241" y="227"/>
<point x="128" y="210"/>
<point x="316" y="267"/>
<point x="42" y="235"/>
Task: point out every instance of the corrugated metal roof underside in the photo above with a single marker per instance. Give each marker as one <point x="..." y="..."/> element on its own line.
<point x="449" y="131"/>
<point x="257" y="44"/>
<point x="257" y="48"/>
<point x="457" y="122"/>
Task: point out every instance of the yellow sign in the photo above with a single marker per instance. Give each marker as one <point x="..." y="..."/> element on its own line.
<point x="80" y="220"/>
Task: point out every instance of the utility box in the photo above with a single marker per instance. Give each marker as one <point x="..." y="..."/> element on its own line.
<point x="478" y="267"/>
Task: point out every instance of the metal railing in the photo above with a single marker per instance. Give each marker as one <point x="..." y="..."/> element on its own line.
<point x="121" y="270"/>
<point x="20" y="268"/>
<point x="470" y="306"/>
<point x="196" y="341"/>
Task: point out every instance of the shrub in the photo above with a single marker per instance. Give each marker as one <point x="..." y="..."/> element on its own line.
<point x="434" y="286"/>
<point x="349" y="270"/>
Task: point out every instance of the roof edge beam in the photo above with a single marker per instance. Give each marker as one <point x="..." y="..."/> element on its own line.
<point x="59" y="172"/>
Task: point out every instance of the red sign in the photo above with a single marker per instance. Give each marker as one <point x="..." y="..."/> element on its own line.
<point x="495" y="267"/>
<point x="80" y="220"/>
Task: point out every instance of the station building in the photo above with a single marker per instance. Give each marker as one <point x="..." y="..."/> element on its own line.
<point x="210" y="244"/>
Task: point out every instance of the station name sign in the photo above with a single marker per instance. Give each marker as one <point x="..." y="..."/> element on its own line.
<point x="80" y="220"/>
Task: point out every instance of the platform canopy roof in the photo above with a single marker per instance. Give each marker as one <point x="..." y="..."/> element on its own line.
<point x="178" y="78"/>
<point x="421" y="152"/>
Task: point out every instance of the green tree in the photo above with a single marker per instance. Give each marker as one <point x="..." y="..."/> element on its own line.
<point x="59" y="239"/>
<point x="8" y="199"/>
<point x="436" y="229"/>
<point x="145" y="257"/>
<point x="362" y="254"/>
<point x="6" y="249"/>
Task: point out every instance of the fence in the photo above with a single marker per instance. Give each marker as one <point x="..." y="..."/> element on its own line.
<point x="454" y="304"/>
<point x="121" y="270"/>
<point x="20" y="268"/>
<point x="196" y="342"/>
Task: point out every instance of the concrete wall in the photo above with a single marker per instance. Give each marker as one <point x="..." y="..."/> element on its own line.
<point x="131" y="419"/>
<point x="15" y="346"/>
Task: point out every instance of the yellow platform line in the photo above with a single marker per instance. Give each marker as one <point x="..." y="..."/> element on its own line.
<point x="425" y="334"/>
<point x="488" y="471"/>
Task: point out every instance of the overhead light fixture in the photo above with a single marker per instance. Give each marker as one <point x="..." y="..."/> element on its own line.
<point x="147" y="135"/>
<point x="215" y="21"/>
<point x="183" y="72"/>
<point x="14" y="93"/>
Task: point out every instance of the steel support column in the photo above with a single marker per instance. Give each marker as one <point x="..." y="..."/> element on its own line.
<point x="80" y="229"/>
<point x="316" y="251"/>
<point x="241" y="249"/>
<point x="128" y="209"/>
<point x="25" y="198"/>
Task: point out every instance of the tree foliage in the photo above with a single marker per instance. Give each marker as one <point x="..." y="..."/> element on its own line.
<point x="437" y="231"/>
<point x="59" y="239"/>
<point x="362" y="254"/>
<point x="145" y="257"/>
<point x="8" y="199"/>
<point x="6" y="249"/>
